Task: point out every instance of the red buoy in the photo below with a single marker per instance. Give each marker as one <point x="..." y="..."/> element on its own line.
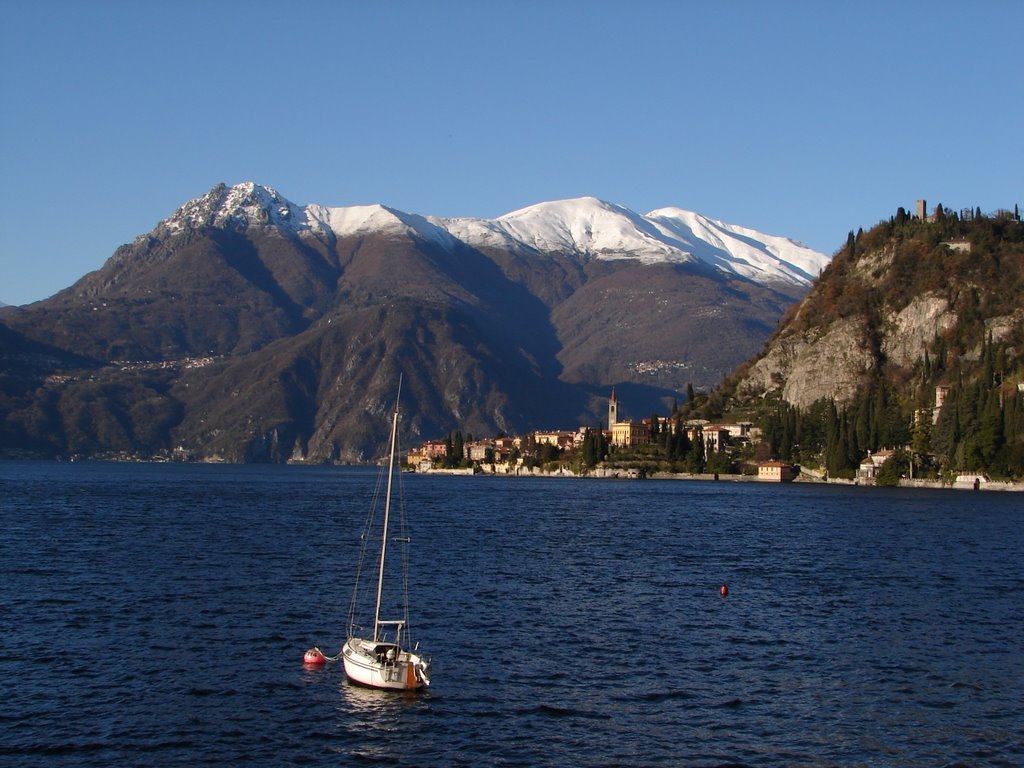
<point x="314" y="656"/>
<point x="724" y="591"/>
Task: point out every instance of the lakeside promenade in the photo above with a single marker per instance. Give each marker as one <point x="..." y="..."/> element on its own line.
<point x="626" y="473"/>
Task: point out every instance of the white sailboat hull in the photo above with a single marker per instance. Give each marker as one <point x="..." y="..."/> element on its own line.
<point x="384" y="665"/>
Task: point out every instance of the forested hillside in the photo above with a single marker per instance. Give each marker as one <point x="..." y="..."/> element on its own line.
<point x="910" y="314"/>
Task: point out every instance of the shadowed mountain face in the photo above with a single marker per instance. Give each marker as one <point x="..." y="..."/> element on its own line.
<point x="235" y="334"/>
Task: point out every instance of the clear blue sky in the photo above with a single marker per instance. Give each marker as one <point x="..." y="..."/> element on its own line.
<point x="806" y="119"/>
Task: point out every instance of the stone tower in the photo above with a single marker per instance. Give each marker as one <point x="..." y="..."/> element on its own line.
<point x="613" y="411"/>
<point x="922" y="210"/>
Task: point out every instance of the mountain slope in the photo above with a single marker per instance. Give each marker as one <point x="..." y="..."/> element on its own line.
<point x="257" y="329"/>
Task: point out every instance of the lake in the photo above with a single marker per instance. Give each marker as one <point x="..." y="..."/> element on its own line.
<point x="158" y="614"/>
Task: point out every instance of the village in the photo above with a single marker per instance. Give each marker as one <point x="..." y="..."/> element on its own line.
<point x="618" y="450"/>
<point x="627" y="449"/>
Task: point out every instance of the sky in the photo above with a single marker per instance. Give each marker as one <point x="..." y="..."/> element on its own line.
<point x="801" y="118"/>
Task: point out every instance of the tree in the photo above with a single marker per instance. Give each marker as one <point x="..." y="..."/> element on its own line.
<point x="594" y="447"/>
<point x="892" y="469"/>
<point x="719" y="462"/>
<point x="990" y="430"/>
<point x="695" y="457"/>
<point x="680" y="445"/>
<point x="921" y="441"/>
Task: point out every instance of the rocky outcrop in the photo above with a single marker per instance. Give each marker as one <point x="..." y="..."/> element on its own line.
<point x="909" y="332"/>
<point x="897" y="313"/>
<point x="803" y="368"/>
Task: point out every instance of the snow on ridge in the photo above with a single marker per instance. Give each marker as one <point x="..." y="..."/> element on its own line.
<point x="602" y="230"/>
<point x="362" y="219"/>
<point x="744" y="251"/>
<point x="353" y="219"/>
<point x="584" y="226"/>
<point x="589" y="226"/>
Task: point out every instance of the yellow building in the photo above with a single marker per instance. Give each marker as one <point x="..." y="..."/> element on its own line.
<point x="627" y="434"/>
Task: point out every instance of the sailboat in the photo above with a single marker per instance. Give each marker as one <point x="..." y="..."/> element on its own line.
<point x="382" y="659"/>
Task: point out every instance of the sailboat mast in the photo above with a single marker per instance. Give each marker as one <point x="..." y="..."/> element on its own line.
<point x="387" y="515"/>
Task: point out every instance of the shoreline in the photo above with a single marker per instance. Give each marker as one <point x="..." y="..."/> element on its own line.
<point x="610" y="473"/>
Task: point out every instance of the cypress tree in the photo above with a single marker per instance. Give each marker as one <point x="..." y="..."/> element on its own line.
<point x="695" y="457"/>
<point x="682" y="441"/>
<point x="861" y="437"/>
<point x="922" y="439"/>
<point x="990" y="429"/>
<point x="589" y="451"/>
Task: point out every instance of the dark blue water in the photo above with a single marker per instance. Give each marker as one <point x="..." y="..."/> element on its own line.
<point x="157" y="615"/>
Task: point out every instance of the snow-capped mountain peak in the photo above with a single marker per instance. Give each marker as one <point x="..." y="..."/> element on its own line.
<point x="238" y="207"/>
<point x="586" y="227"/>
<point x="598" y="229"/>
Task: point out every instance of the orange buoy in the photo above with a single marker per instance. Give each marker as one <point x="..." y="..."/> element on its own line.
<point x="724" y="591"/>
<point x="314" y="656"/>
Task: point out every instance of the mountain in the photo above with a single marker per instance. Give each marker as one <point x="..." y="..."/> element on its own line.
<point x="913" y="335"/>
<point x="250" y="328"/>
<point x="585" y="227"/>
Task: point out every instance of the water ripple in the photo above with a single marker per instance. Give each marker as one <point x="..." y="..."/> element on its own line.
<point x="158" y="614"/>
